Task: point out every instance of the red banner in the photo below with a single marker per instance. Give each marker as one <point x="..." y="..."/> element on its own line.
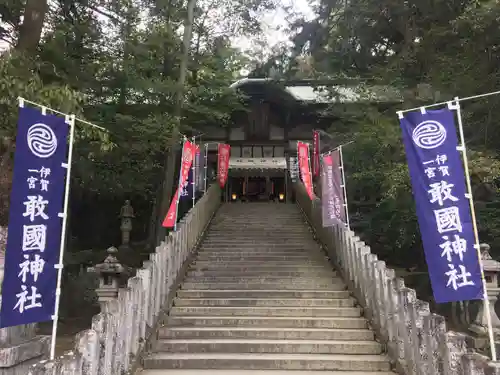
<point x="188" y="151"/>
<point x="315" y="161"/>
<point x="223" y="163"/>
<point x="305" y="172"/>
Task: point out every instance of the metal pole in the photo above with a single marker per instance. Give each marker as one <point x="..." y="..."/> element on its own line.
<point x="217" y="166"/>
<point x="346" y="208"/>
<point x="456" y="106"/>
<point x="45" y="109"/>
<point x="287" y="172"/>
<point x="70" y="120"/>
<point x="206" y="169"/>
<point x="193" y="173"/>
<point x="336" y="148"/>
<point x="458" y="100"/>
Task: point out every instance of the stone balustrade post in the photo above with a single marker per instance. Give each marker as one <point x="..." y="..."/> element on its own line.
<point x="383" y="297"/>
<point x="131" y="312"/>
<point x="416" y="339"/>
<point x="479" y="326"/>
<point x="454" y="348"/>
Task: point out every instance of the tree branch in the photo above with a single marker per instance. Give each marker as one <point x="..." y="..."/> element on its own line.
<point x="105" y="14"/>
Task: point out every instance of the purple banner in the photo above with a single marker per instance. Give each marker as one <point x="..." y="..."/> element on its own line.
<point x="199" y="162"/>
<point x="443" y="210"/>
<point x="35" y="219"/>
<point x="332" y="194"/>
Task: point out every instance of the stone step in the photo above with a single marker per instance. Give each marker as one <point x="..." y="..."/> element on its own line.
<point x="256" y="221"/>
<point x="259" y="258"/>
<point x="305" y="258"/>
<point x="251" y="266"/>
<point x="266" y="311"/>
<point x="231" y="230"/>
<point x="260" y="236"/>
<point x="273" y="302"/>
<point x="241" y="285"/>
<point x="259" y="272"/>
<point x="260" y="250"/>
<point x="276" y="263"/>
<point x="238" y="247"/>
<point x="267" y="346"/>
<point x="261" y="219"/>
<point x="206" y="266"/>
<point x="275" y="280"/>
<point x="311" y="259"/>
<point x="240" y="229"/>
<point x="258" y="372"/>
<point x="260" y="361"/>
<point x="256" y="250"/>
<point x="269" y="321"/>
<point x="272" y="234"/>
<point x="266" y="333"/>
<point x="262" y="293"/>
<point x="264" y="243"/>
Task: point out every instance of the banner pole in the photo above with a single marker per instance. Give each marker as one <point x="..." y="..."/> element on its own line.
<point x="70" y="120"/>
<point x="336" y="148"/>
<point x="205" y="169"/>
<point x="346" y="207"/>
<point x="317" y="157"/>
<point x="45" y="109"/>
<point x="456" y="106"/>
<point x="217" y="173"/>
<point x="458" y="100"/>
<point x="193" y="173"/>
<point x="179" y="187"/>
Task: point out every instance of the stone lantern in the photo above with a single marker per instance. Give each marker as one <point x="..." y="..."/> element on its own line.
<point x="126" y="216"/>
<point x="491" y="269"/>
<point x="110" y="273"/>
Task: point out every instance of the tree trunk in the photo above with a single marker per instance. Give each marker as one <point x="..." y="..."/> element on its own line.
<point x="173" y="145"/>
<point x="30" y="31"/>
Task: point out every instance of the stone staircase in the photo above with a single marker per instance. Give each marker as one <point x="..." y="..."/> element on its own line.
<point x="262" y="297"/>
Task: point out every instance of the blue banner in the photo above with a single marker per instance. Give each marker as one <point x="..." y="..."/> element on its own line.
<point x="187" y="189"/>
<point x="443" y="210"/>
<point x="35" y="219"/>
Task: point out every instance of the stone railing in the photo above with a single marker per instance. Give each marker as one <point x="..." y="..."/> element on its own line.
<point x="120" y="332"/>
<point x="416" y="340"/>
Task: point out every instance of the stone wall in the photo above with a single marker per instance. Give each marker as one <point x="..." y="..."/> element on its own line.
<point x="119" y="334"/>
<point x="416" y="339"/>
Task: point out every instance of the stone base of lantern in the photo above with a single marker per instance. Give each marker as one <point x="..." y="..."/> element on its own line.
<point x="478" y="338"/>
<point x="478" y="333"/>
<point x="20" y="353"/>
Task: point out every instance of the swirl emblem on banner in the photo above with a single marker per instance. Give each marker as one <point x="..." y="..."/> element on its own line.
<point x="429" y="134"/>
<point x="42" y="141"/>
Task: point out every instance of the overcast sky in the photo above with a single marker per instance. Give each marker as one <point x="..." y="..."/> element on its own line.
<point x="274" y="21"/>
